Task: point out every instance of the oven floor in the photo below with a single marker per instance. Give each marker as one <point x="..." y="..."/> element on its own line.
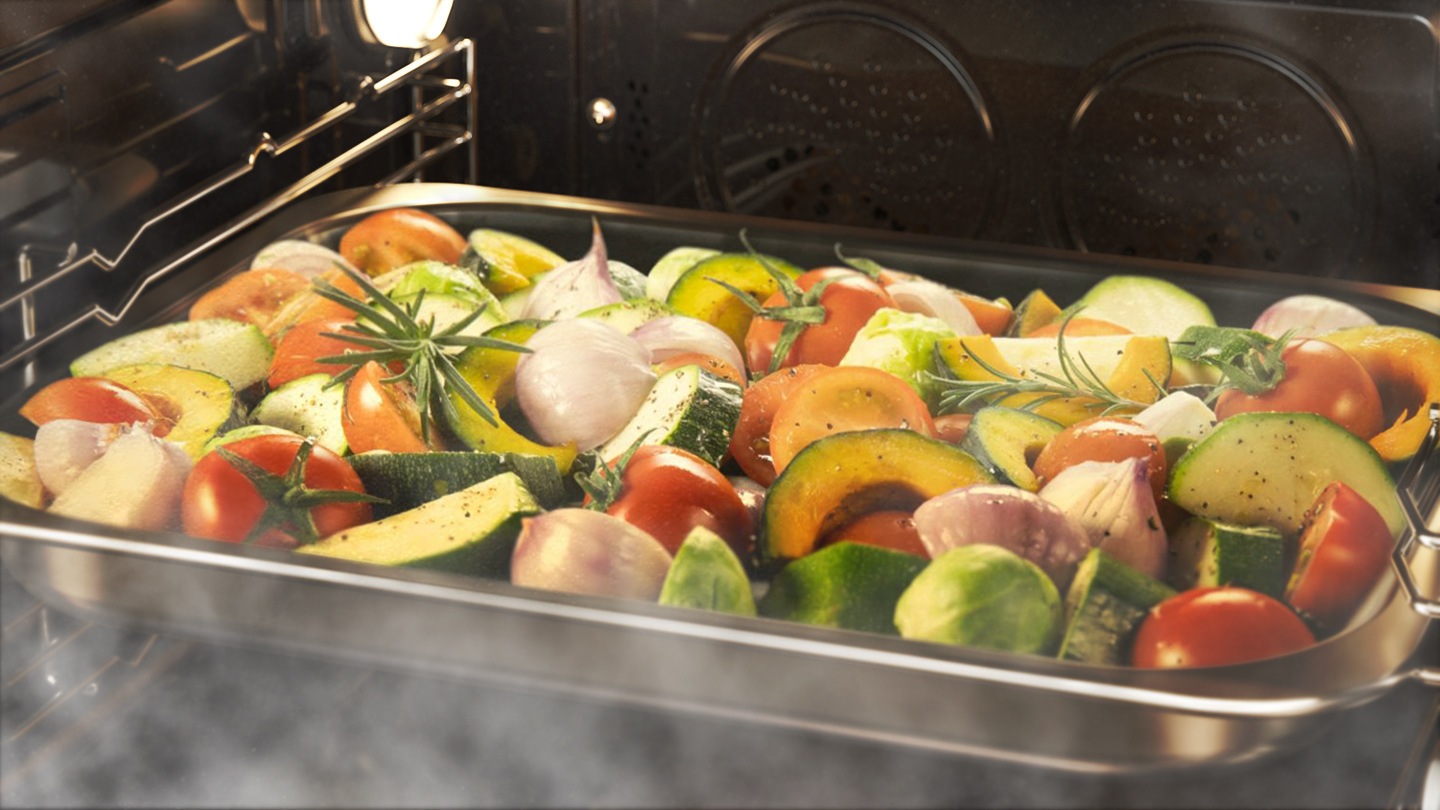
<point x="170" y="723"/>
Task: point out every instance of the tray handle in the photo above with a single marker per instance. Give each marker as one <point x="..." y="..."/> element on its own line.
<point x="1418" y="494"/>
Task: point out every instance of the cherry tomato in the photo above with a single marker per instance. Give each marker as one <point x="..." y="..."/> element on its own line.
<point x="1103" y="438"/>
<point x="222" y="503"/>
<point x="849" y="300"/>
<point x="836" y="399"/>
<point x="297" y="350"/>
<point x="253" y="296"/>
<point x="709" y="362"/>
<point x="380" y="415"/>
<point x="389" y="239"/>
<point x="1319" y="378"/>
<point x="1344" y="548"/>
<point x="750" y="443"/>
<point x="93" y="399"/>
<point x="888" y="528"/>
<point x="668" y="491"/>
<point x="1206" y="627"/>
<point x="1080" y="327"/>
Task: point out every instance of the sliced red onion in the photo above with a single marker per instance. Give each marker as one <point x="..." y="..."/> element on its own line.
<point x="936" y="300"/>
<point x="136" y="483"/>
<point x="298" y="256"/>
<point x="1309" y="315"/>
<point x="997" y="515"/>
<point x="670" y="335"/>
<point x="65" y="447"/>
<point x="1113" y="502"/>
<point x="574" y="287"/>
<point x="582" y="381"/>
<point x="588" y="552"/>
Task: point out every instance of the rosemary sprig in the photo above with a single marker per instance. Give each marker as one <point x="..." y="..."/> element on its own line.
<point x="1077" y="380"/>
<point x="287" y="500"/>
<point x="394" y="333"/>
<point x="604" y="483"/>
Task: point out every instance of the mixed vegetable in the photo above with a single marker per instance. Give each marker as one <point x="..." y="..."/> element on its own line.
<point x="1120" y="481"/>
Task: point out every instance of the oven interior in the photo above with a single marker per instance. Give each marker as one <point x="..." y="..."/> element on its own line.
<point x="134" y="134"/>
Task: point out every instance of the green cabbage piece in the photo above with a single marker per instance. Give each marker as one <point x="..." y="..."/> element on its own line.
<point x="902" y="343"/>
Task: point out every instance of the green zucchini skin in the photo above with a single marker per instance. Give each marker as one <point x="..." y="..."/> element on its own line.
<point x="688" y="407"/>
<point x="309" y="406"/>
<point x="407" y="480"/>
<point x="848" y="585"/>
<point x="1206" y="553"/>
<point x="1006" y="440"/>
<point x="1104" y="607"/>
<point x="472" y="531"/>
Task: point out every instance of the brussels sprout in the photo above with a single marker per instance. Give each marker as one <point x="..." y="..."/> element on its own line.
<point x="438" y="278"/>
<point x="902" y="343"/>
<point x="983" y="596"/>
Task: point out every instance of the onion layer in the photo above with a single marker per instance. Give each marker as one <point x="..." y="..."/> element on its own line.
<point x="1309" y="315"/>
<point x="670" y="335"/>
<point x="64" y="448"/>
<point x="1113" y="502"/>
<point x="574" y="287"/>
<point x="936" y="300"/>
<point x="588" y="552"/>
<point x="1016" y="520"/>
<point x="582" y="382"/>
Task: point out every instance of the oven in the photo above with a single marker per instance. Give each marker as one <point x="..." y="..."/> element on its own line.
<point x="145" y="144"/>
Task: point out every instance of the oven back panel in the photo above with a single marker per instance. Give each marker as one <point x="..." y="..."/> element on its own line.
<point x="1273" y="136"/>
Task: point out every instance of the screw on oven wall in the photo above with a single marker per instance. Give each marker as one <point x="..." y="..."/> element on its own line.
<point x="602" y="113"/>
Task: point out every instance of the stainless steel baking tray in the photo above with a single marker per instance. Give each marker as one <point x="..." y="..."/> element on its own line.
<point x="1019" y="708"/>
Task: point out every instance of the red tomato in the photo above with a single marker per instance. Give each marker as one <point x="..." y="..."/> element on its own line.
<point x="1344" y="548"/>
<point x="849" y="301"/>
<point x="389" y="239"/>
<point x="1319" y="378"/>
<point x="1103" y="438"/>
<point x="253" y="296"/>
<point x="668" y="491"/>
<point x="220" y="502"/>
<point x="750" y="443"/>
<point x="93" y="399"/>
<point x="836" y="399"/>
<point x="380" y="415"/>
<point x="709" y="362"/>
<point x="1207" y="627"/>
<point x="890" y="529"/>
<point x="297" y="349"/>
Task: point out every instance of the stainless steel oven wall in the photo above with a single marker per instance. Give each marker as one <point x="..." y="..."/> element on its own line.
<point x="1267" y="135"/>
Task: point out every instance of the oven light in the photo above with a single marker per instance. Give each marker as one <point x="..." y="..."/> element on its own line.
<point x="402" y="23"/>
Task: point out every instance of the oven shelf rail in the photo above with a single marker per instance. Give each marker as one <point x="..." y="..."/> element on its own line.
<point x="421" y="74"/>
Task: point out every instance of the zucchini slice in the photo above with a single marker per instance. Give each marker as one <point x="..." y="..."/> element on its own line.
<point x="309" y="406"/>
<point x="1105" y="605"/>
<point x="1006" y="441"/>
<point x="1145" y="306"/>
<point x="407" y="480"/>
<point x="688" y="407"/>
<point x="1205" y="553"/>
<point x="235" y="351"/>
<point x="471" y="531"/>
<point x="697" y="294"/>
<point x="202" y="404"/>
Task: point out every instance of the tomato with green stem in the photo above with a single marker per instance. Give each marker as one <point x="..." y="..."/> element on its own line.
<point x="812" y="319"/>
<point x="668" y="491"/>
<point x="279" y="490"/>
<point x="1321" y="378"/>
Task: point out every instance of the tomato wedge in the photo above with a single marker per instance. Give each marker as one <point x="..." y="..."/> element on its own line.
<point x="1207" y="627"/>
<point x="849" y="299"/>
<point x="750" y="443"/>
<point x="837" y="399"/>
<point x="380" y="415"/>
<point x="1344" y="548"/>
<point x="396" y="237"/>
<point x="1103" y="438"/>
<point x="254" y="296"/>
<point x="667" y="491"/>
<point x="93" y="399"/>
<point x="297" y="350"/>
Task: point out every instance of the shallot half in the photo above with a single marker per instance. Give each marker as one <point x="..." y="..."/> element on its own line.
<point x="574" y="287"/>
<point x="587" y="552"/>
<point x="997" y="515"/>
<point x="582" y="382"/>
<point x="1113" y="502"/>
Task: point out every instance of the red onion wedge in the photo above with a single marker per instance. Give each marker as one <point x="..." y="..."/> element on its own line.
<point x="136" y="484"/>
<point x="574" y="287"/>
<point x="936" y="300"/>
<point x="998" y="515"/>
<point x="582" y="382"/>
<point x="670" y="335"/>
<point x="1113" y="502"/>
<point x="588" y="552"/>
<point x="1309" y="316"/>
<point x="64" y="448"/>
